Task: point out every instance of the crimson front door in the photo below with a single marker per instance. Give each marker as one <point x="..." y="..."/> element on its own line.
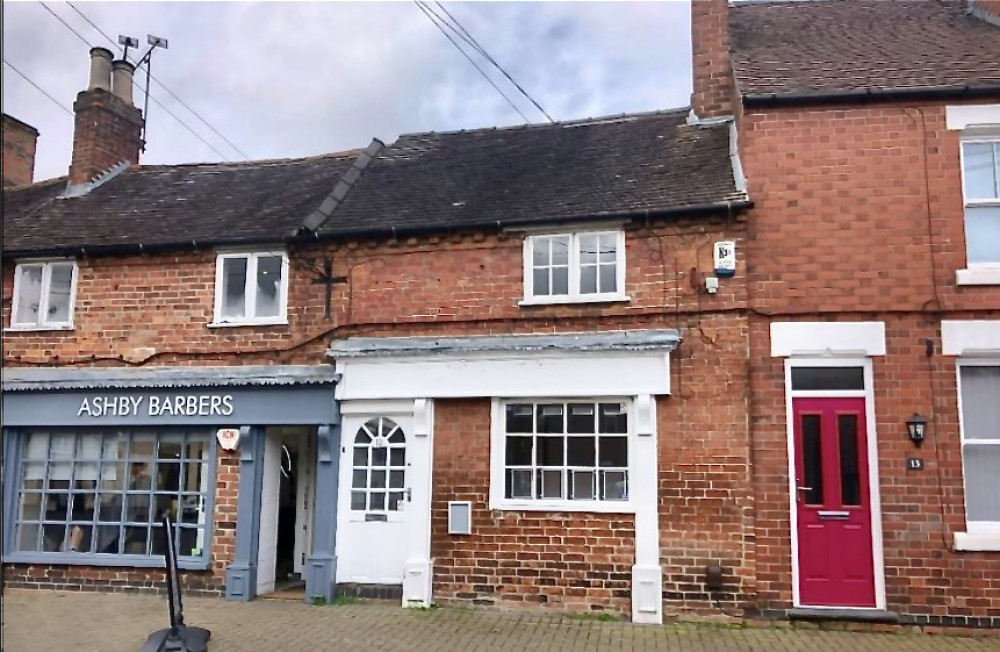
<point x="835" y="561"/>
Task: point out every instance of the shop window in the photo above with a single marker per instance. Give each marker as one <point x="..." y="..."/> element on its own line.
<point x="980" y="412"/>
<point x="563" y="454"/>
<point x="251" y="288"/>
<point x="94" y="496"/>
<point x="574" y="267"/>
<point x="44" y="295"/>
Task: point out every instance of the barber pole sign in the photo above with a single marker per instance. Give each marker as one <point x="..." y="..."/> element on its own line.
<point x="229" y="438"/>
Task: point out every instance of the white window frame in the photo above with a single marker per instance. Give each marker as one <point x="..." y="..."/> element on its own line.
<point x="250" y="290"/>
<point x="43" y="324"/>
<point x="982" y="532"/>
<point x="498" y="447"/>
<point x="574" y="295"/>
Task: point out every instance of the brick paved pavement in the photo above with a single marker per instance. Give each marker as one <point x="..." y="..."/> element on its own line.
<point x="49" y="621"/>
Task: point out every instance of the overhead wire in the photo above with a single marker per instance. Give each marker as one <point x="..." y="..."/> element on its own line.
<point x="153" y="99"/>
<point x="471" y="40"/>
<point x="38" y="88"/>
<point x="471" y="60"/>
<point x="162" y="85"/>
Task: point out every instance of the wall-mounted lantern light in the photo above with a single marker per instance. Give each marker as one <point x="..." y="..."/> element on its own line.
<point x="917" y="427"/>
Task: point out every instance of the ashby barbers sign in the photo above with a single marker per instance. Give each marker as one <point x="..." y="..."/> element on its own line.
<point x="182" y="405"/>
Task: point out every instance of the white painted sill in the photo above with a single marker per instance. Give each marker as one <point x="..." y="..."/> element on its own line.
<point x="575" y="506"/>
<point x="980" y="541"/>
<point x="556" y="301"/>
<point x="238" y="324"/>
<point x="36" y="329"/>
<point x="978" y="276"/>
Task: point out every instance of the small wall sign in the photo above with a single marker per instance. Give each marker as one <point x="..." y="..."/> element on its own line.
<point x="229" y="438"/>
<point x="914" y="464"/>
<point x="725" y="258"/>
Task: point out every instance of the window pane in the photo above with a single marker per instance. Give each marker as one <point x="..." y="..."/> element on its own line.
<point x="27" y="537"/>
<point x="580" y="418"/>
<point x="234" y="280"/>
<point x="518" y="483"/>
<point x="358" y="500"/>
<point x="108" y="540"/>
<point x="850" y="480"/>
<point x="588" y="280"/>
<point x="613" y="418"/>
<point x="136" y="541"/>
<point x="60" y="287"/>
<point x="560" y="250"/>
<point x="519" y="451"/>
<point x="550" y="418"/>
<point x="377" y="500"/>
<point x="609" y="280"/>
<point x="54" y="537"/>
<point x="979" y="171"/>
<point x="980" y="402"/>
<point x="82" y="505"/>
<point x="982" y="495"/>
<point x="359" y="479"/>
<point x="168" y="476"/>
<point x="378" y="479"/>
<point x="397" y="456"/>
<point x="519" y="418"/>
<point x="109" y="508"/>
<point x="29" y="294"/>
<point x="820" y="378"/>
<point x="583" y="485"/>
<point x="609" y="248"/>
<point x="169" y="450"/>
<point x="31" y="507"/>
<point x="187" y="542"/>
<point x="268" y="286"/>
<point x="560" y="280"/>
<point x="33" y="476"/>
<point x="396" y="479"/>
<point x="581" y="451"/>
<point x="540" y="282"/>
<point x="380" y="456"/>
<point x="615" y="485"/>
<point x="540" y="252"/>
<point x="137" y="508"/>
<point x="982" y="234"/>
<point x="192" y="476"/>
<point x="360" y="456"/>
<point x="550" y="484"/>
<point x="588" y="249"/>
<point x="550" y="451"/>
<point x="614" y="451"/>
<point x="395" y="500"/>
<point x="812" y="459"/>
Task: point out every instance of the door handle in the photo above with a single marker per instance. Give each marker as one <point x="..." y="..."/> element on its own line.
<point x="801" y="491"/>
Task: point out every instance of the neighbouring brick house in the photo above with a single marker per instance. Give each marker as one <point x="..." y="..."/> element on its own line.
<point x="19" y="141"/>
<point x="869" y="133"/>
<point x="479" y="367"/>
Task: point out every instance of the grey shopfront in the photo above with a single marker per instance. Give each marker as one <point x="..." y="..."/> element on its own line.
<point x="92" y="457"/>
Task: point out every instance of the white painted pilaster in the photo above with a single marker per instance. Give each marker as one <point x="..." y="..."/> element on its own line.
<point x="647" y="576"/>
<point x="418" y="570"/>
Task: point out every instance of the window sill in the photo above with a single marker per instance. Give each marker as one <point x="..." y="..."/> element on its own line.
<point x="978" y="276"/>
<point x="550" y="301"/>
<point x="37" y="329"/>
<point x="980" y="541"/>
<point x="116" y="561"/>
<point x="591" y="506"/>
<point x="239" y="324"/>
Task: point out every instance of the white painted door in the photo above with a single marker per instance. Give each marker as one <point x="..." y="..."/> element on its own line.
<point x="267" y="543"/>
<point x="371" y="540"/>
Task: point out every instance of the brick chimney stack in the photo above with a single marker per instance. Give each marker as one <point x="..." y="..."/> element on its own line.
<point x="19" y="140"/>
<point x="712" y="68"/>
<point x="108" y="128"/>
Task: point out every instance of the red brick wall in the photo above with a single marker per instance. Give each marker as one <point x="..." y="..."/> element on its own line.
<point x="106" y="132"/>
<point x="569" y="561"/>
<point x="19" y="142"/>
<point x="858" y="216"/>
<point x="110" y="578"/>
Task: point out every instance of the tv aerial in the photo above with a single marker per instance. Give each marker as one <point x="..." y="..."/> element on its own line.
<point x="154" y="42"/>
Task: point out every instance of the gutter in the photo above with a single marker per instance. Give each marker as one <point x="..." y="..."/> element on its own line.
<point x="866" y="95"/>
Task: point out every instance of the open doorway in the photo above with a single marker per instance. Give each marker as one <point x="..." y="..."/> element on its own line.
<point x="286" y="507"/>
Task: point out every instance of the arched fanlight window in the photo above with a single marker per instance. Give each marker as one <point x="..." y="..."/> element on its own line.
<point x="379" y="468"/>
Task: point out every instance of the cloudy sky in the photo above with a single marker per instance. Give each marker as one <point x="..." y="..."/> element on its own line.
<point x="286" y="79"/>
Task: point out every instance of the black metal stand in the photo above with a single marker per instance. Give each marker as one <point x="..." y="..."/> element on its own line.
<point x="179" y="637"/>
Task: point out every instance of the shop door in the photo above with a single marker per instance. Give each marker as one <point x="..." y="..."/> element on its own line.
<point x="835" y="560"/>
<point x="371" y="541"/>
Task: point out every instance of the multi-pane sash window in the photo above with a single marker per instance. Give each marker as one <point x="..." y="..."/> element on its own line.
<point x="251" y="288"/>
<point x="566" y="451"/>
<point x="575" y="267"/>
<point x="980" y="389"/>
<point x="43" y="295"/>
<point x="95" y="494"/>
<point x="981" y="177"/>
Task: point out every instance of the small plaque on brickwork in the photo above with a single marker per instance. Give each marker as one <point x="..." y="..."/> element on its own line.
<point x="914" y="464"/>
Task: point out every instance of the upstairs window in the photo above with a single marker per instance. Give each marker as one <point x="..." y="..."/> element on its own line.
<point x="981" y="185"/>
<point x="251" y="288"/>
<point x="44" y="295"/>
<point x="574" y="267"/>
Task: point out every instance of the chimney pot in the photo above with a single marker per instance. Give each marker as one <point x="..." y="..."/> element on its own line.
<point x="122" y="82"/>
<point x="100" y="69"/>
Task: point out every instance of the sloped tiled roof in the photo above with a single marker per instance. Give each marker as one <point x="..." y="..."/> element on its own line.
<point x="828" y="46"/>
<point x="162" y="205"/>
<point x="541" y="173"/>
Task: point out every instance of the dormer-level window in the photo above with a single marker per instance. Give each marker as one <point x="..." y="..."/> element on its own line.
<point x="981" y="182"/>
<point x="44" y="293"/>
<point x="251" y="288"/>
<point x="574" y="267"/>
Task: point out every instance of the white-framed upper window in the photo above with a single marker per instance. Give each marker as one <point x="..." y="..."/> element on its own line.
<point x="574" y="267"/>
<point x="981" y="191"/>
<point x="979" y="387"/>
<point x="251" y="288"/>
<point x="561" y="455"/>
<point x="44" y="295"/>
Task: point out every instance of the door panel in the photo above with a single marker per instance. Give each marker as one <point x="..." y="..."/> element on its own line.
<point x="835" y="557"/>
<point x="371" y="542"/>
<point x="267" y="542"/>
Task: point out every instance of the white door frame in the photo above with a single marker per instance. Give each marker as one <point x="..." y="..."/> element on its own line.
<point x="270" y="493"/>
<point x="875" y="501"/>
